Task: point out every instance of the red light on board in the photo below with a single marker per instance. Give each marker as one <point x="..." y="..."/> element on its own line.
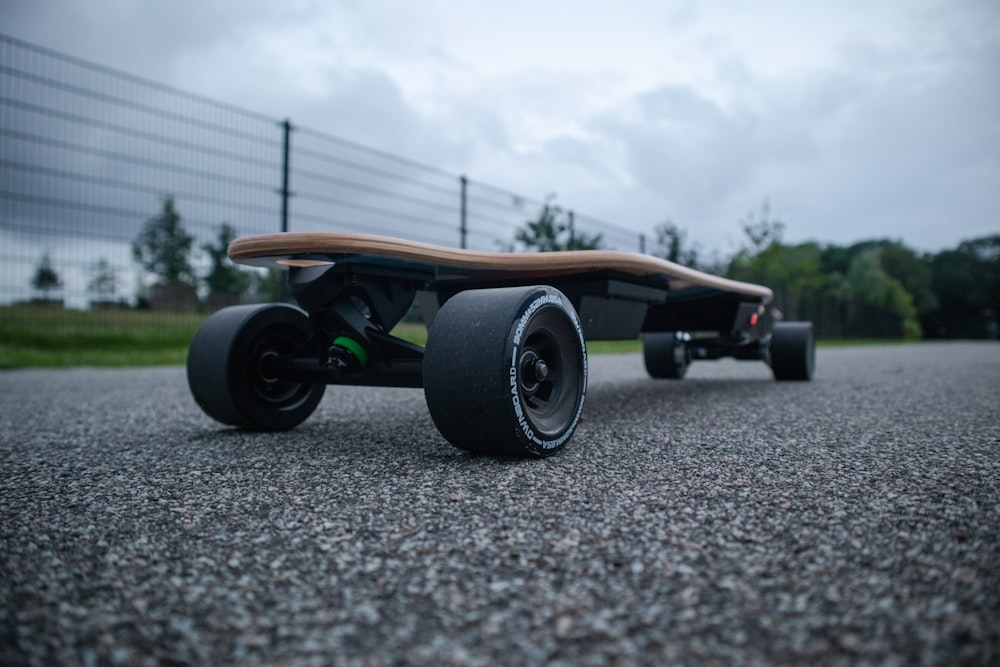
<point x="753" y="320"/>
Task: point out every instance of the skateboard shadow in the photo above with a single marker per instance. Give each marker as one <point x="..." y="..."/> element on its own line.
<point x="387" y="428"/>
<point x="393" y="431"/>
<point x="644" y="398"/>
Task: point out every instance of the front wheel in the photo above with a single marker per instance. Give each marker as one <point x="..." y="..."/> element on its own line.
<point x="227" y="367"/>
<point x="666" y="354"/>
<point x="505" y="371"/>
<point x="792" y="351"/>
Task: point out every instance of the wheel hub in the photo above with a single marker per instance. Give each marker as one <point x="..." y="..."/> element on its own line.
<point x="534" y="371"/>
<point x="265" y="367"/>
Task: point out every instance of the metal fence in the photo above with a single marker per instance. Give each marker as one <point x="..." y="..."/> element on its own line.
<point x="90" y="153"/>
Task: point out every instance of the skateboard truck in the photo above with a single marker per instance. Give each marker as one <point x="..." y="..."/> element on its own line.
<point x="356" y="314"/>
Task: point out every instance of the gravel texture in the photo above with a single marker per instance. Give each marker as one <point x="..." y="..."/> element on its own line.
<point x="724" y="519"/>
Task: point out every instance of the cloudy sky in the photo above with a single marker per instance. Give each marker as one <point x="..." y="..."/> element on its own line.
<point x="855" y="119"/>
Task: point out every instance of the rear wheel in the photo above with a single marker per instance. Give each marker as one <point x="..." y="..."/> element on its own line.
<point x="792" y="351"/>
<point x="505" y="371"/>
<point x="228" y="367"/>
<point x="666" y="354"/>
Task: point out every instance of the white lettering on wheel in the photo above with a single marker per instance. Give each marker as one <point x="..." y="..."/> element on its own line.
<point x="522" y="420"/>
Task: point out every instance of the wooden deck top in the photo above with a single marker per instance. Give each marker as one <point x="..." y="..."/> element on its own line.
<point x="318" y="248"/>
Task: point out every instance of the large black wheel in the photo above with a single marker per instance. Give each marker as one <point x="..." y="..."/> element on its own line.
<point x="792" y="351"/>
<point x="227" y="367"/>
<point x="505" y="371"/>
<point x="666" y="354"/>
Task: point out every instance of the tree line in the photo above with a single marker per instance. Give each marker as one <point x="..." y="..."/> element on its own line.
<point x="878" y="288"/>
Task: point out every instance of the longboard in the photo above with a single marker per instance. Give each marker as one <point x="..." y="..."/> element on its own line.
<point x="625" y="291"/>
<point x="504" y="370"/>
<point x="321" y="249"/>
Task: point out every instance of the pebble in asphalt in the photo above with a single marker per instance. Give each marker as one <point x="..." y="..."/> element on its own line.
<point x="723" y="519"/>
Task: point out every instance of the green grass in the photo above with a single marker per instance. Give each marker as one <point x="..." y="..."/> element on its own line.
<point x="417" y="333"/>
<point x="32" y="336"/>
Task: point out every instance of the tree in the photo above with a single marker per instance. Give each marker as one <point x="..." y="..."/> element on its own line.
<point x="762" y="253"/>
<point x="966" y="281"/>
<point x="912" y="271"/>
<point x="103" y="279"/>
<point x="762" y="230"/>
<point x="163" y="246"/>
<point x="898" y="261"/>
<point x="760" y="258"/>
<point x="867" y="282"/>
<point x="795" y="273"/>
<point x="223" y="276"/>
<point x="671" y="245"/>
<point x="46" y="279"/>
<point x="547" y="233"/>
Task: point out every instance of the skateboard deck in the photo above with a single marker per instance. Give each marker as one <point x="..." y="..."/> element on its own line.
<point x="617" y="294"/>
<point x="504" y="368"/>
<point x="453" y="265"/>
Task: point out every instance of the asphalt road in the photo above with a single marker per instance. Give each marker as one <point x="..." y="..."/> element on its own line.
<point x="724" y="519"/>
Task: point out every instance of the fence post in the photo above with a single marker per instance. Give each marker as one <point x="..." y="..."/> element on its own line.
<point x="463" y="222"/>
<point x="286" y="126"/>
<point x="284" y="293"/>
<point x="572" y="229"/>
<point x="642" y="244"/>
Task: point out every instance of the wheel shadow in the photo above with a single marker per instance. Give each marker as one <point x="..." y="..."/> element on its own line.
<point x="385" y="427"/>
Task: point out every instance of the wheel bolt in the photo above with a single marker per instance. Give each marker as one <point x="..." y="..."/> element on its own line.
<point x="540" y="370"/>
